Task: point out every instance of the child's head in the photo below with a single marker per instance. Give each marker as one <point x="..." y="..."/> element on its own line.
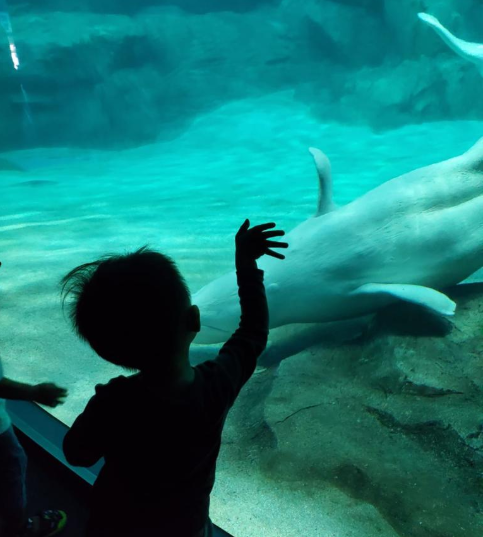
<point x="134" y="310"/>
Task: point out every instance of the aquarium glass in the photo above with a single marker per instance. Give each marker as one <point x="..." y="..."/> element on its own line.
<point x="167" y="123"/>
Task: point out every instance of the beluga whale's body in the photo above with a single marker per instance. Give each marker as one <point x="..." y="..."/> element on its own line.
<point x="404" y="240"/>
<point x="472" y="52"/>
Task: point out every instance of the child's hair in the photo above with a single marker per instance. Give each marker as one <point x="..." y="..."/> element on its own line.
<point x="128" y="307"/>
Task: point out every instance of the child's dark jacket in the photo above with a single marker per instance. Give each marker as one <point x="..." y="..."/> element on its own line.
<point x="160" y="451"/>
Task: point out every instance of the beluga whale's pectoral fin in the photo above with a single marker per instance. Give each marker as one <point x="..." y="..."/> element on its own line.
<point x="322" y="163"/>
<point x="417" y="294"/>
<point x="472" y="52"/>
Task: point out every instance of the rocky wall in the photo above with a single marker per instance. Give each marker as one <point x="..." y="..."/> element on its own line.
<point x="390" y="422"/>
<point x="108" y="76"/>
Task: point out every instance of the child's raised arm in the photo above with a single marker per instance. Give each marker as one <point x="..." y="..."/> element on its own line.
<point x="237" y="359"/>
<point x="255" y="242"/>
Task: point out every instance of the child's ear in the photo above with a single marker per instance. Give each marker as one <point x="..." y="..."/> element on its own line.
<point x="193" y="321"/>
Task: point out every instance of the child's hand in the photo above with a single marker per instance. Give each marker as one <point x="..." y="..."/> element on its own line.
<point x="49" y="394"/>
<point x="253" y="243"/>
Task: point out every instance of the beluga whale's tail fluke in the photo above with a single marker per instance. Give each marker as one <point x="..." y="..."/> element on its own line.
<point x="472" y="52"/>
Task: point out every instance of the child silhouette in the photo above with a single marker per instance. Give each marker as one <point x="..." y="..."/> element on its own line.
<point x="159" y="430"/>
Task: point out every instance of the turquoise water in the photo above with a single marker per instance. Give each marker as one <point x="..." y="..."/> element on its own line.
<point x="79" y="190"/>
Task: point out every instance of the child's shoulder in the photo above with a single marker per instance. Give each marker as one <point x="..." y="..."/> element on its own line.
<point x="117" y="385"/>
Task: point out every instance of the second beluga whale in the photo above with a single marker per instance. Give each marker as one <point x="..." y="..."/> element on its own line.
<point x="472" y="52"/>
<point x="405" y="240"/>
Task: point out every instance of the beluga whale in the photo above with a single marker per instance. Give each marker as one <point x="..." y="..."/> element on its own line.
<point x="472" y="52"/>
<point x="405" y="240"/>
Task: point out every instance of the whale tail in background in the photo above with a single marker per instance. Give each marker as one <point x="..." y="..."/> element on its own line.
<point x="472" y="52"/>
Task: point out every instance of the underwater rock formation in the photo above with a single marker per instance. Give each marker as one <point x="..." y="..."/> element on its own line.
<point x="163" y="65"/>
<point x="419" y="451"/>
<point x="111" y="78"/>
<point x="421" y="86"/>
<point x="372" y="5"/>
<point x="345" y="34"/>
<point x="390" y="421"/>
<point x="128" y="6"/>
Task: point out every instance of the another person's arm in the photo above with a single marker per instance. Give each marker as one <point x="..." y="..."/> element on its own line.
<point x="46" y="393"/>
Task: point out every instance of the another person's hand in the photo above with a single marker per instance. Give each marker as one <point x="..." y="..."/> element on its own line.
<point x="255" y="242"/>
<point x="49" y="394"/>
